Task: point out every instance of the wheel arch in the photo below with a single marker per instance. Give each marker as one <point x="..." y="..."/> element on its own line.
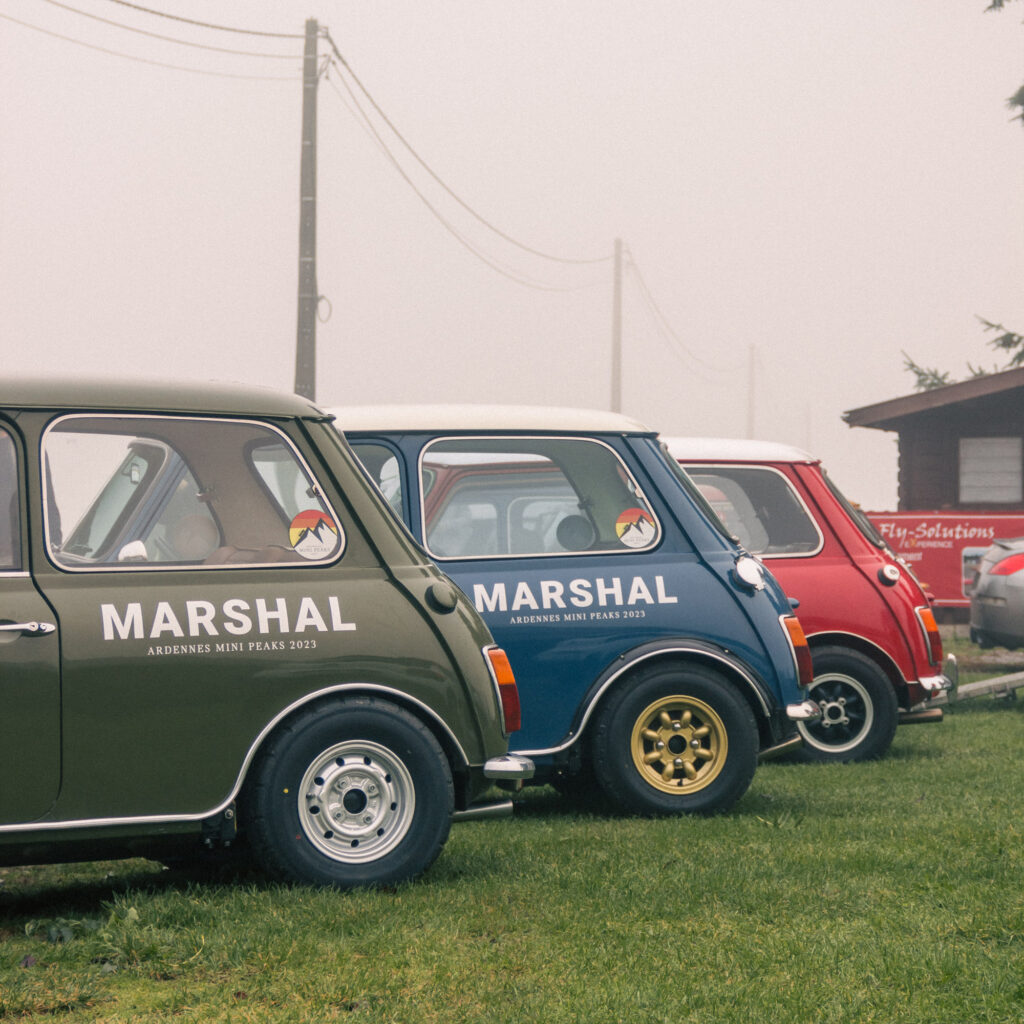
<point x="684" y="652"/>
<point x="450" y="745"/>
<point x="870" y="650"/>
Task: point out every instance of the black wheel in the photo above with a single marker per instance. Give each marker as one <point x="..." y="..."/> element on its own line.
<point x="355" y="793"/>
<point x="675" y="739"/>
<point x="858" y="705"/>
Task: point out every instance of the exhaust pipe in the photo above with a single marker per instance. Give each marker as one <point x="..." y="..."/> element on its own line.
<point x="476" y="812"/>
<point x="921" y="717"/>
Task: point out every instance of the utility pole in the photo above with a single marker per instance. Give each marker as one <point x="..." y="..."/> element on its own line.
<point x="617" y="330"/>
<point x="752" y="359"/>
<point x="305" y="347"/>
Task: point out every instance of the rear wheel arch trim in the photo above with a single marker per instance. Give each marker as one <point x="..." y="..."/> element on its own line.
<point x="855" y="642"/>
<point x="746" y="683"/>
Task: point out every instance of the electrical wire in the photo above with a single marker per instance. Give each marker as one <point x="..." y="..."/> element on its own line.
<point x="206" y="24"/>
<point x="661" y="321"/>
<point x="501" y="234"/>
<point x="154" y="63"/>
<point x="171" y="39"/>
<point x="445" y="223"/>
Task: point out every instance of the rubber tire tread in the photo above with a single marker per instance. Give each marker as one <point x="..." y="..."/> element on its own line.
<point x="883" y="697"/>
<point x="270" y="818"/>
<point x="613" y="763"/>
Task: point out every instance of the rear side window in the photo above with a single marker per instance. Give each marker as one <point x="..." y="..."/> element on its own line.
<point x="495" y="497"/>
<point x="10" y="530"/>
<point x="166" y="492"/>
<point x="381" y="464"/>
<point x="760" y="507"/>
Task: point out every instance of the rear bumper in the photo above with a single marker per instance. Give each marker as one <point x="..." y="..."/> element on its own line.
<point x="805" y="711"/>
<point x="509" y="766"/>
<point x="946" y="683"/>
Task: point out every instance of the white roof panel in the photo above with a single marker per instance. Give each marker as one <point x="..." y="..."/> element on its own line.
<point x="532" y="418"/>
<point x="731" y="449"/>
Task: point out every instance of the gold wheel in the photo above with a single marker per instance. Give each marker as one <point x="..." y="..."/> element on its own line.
<point x="679" y="744"/>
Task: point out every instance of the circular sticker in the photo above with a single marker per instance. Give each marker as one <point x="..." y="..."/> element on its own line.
<point x="313" y="534"/>
<point x="636" y="528"/>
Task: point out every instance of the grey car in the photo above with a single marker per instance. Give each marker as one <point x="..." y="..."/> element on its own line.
<point x="997" y="595"/>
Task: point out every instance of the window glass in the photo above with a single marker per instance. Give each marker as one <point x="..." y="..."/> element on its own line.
<point x="759" y="507"/>
<point x="10" y="524"/>
<point x="488" y="497"/>
<point x="990" y="470"/>
<point x="382" y="465"/>
<point x="180" y="492"/>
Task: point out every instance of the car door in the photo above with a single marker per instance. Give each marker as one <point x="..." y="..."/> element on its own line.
<point x="29" y="658"/>
<point x="193" y="565"/>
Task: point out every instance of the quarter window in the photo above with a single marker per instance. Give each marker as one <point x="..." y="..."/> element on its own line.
<point x="760" y="508"/>
<point x="491" y="497"/>
<point x="178" y="492"/>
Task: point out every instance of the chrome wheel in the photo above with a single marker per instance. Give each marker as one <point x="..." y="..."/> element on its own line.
<point x="356" y="801"/>
<point x="679" y="744"/>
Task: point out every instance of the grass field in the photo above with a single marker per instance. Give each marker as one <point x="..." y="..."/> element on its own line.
<point x="889" y="891"/>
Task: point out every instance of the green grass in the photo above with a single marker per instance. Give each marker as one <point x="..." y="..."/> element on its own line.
<point x="889" y="891"/>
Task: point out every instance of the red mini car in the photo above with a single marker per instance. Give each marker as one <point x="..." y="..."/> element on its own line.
<point x="876" y="647"/>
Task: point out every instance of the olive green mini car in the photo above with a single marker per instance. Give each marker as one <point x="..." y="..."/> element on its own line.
<point x="213" y="633"/>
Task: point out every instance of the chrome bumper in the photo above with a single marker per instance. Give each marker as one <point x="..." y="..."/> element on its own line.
<point x="805" y="711"/>
<point x="509" y="766"/>
<point x="947" y="683"/>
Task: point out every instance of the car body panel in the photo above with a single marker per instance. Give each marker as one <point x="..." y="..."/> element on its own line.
<point x="997" y="595"/>
<point x="570" y="618"/>
<point x="852" y="591"/>
<point x="136" y="710"/>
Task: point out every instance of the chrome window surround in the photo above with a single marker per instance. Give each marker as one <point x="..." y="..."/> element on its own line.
<point x="638" y="491"/>
<point x="178" y="567"/>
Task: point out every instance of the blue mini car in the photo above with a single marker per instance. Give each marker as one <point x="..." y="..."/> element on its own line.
<point x="655" y="658"/>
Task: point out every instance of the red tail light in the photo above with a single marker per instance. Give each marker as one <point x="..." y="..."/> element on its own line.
<point x="931" y="634"/>
<point x="508" y="692"/>
<point x="1008" y="566"/>
<point x="801" y="652"/>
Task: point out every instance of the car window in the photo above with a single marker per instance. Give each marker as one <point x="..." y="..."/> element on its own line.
<point x="760" y="507"/>
<point x="492" y="497"/>
<point x="10" y="530"/>
<point x="165" y="492"/>
<point x="382" y="465"/>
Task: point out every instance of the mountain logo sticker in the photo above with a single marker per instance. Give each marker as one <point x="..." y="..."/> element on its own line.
<point x="636" y="528"/>
<point x="313" y="534"/>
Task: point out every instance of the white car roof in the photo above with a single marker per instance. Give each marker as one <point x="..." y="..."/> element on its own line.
<point x="533" y="418"/>
<point x="731" y="449"/>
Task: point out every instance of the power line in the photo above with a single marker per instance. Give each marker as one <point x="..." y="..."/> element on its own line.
<point x="206" y="24"/>
<point x="171" y="39"/>
<point x="661" y="321"/>
<point x="445" y="223"/>
<point x="501" y="234"/>
<point x="143" y="60"/>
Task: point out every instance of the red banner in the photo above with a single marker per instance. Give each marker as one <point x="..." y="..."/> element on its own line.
<point x="942" y="547"/>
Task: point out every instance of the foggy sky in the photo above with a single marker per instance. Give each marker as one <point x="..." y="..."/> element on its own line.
<point x="806" y="189"/>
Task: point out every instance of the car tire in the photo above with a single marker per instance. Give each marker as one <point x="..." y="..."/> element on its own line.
<point x="859" y="709"/>
<point x="354" y="793"/>
<point x="675" y="739"/>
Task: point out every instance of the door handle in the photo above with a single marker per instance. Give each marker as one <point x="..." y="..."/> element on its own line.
<point x="29" y="628"/>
